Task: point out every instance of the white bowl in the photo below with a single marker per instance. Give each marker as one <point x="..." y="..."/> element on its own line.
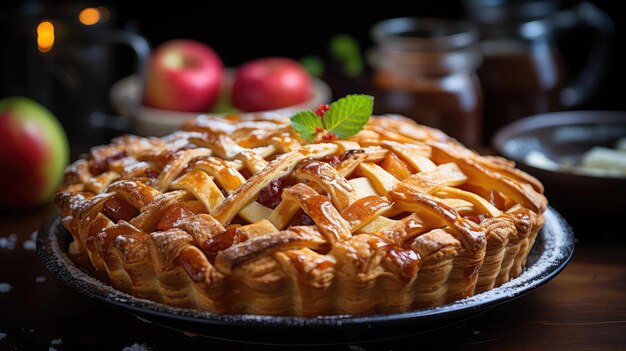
<point x="125" y="98"/>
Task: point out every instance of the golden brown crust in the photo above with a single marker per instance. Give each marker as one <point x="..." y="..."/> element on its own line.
<point x="397" y="217"/>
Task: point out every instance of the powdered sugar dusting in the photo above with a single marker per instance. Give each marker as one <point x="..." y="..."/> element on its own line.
<point x="75" y="167"/>
<point x="58" y="341"/>
<point x="137" y="347"/>
<point x="180" y="139"/>
<point x="124" y="239"/>
<point x="2" y="336"/>
<point x="76" y="201"/>
<point x="181" y="221"/>
<point x="215" y="125"/>
<point x="553" y="239"/>
<point x="258" y="125"/>
<point x="130" y="167"/>
<point x="79" y="202"/>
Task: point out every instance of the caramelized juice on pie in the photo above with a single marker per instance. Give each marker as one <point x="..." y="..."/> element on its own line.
<point x="398" y="217"/>
<point x="119" y="210"/>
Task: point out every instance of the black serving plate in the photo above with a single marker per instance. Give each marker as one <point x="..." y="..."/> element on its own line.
<point x="552" y="251"/>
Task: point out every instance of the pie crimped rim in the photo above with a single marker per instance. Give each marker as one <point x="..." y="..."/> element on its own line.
<point x="407" y="219"/>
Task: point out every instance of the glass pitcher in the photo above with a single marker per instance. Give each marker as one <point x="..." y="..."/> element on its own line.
<point x="523" y="72"/>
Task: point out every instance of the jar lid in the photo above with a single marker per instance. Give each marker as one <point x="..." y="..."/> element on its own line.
<point x="425" y="34"/>
<point x="433" y="46"/>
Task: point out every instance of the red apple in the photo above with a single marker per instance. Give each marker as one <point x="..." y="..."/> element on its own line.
<point x="183" y="75"/>
<point x="33" y="152"/>
<point x="270" y="83"/>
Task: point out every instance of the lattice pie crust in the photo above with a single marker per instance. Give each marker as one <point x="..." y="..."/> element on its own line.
<point x="240" y="215"/>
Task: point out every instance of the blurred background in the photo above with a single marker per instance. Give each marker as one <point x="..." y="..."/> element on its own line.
<point x="240" y="36"/>
<point x="467" y="67"/>
<point x="539" y="82"/>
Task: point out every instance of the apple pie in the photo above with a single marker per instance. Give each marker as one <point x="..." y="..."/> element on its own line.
<point x="241" y="215"/>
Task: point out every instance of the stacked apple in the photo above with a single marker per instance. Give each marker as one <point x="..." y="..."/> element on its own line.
<point x="183" y="75"/>
<point x="186" y="75"/>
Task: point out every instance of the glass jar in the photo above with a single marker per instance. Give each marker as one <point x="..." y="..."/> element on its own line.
<point x="523" y="72"/>
<point x="425" y="69"/>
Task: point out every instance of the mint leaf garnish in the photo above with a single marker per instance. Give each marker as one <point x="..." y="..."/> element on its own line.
<point x="343" y="118"/>
<point x="348" y="115"/>
<point x="307" y="123"/>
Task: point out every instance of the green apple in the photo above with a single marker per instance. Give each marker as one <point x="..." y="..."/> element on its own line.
<point x="33" y="152"/>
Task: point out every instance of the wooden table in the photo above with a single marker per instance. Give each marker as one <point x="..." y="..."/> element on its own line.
<point x="584" y="308"/>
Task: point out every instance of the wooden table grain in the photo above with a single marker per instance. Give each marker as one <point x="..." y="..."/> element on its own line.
<point x="584" y="308"/>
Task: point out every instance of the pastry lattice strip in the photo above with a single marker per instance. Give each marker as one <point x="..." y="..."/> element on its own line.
<point x="396" y="218"/>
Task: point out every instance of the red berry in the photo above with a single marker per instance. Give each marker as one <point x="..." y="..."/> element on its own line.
<point x="330" y="136"/>
<point x="319" y="129"/>
<point x="321" y="110"/>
